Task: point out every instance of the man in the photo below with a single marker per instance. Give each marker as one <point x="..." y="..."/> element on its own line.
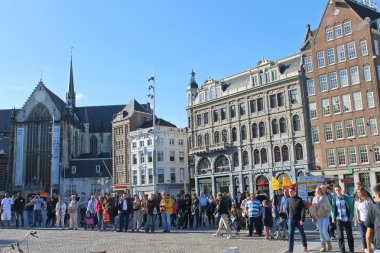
<point x="166" y="206"/>
<point x="261" y="196"/>
<point x="295" y="209"/>
<point x="276" y="202"/>
<point x="125" y="208"/>
<point x="50" y="212"/>
<point x="373" y="222"/>
<point x="39" y="204"/>
<point x="342" y="213"/>
<point x="151" y="217"/>
<point x="203" y="206"/>
<point x="66" y="200"/>
<point x="327" y="192"/>
<point x="19" y="206"/>
<point x="253" y="208"/>
<point x="6" y="205"/>
<point x="223" y="212"/>
<point x="109" y="207"/>
<point x="82" y="208"/>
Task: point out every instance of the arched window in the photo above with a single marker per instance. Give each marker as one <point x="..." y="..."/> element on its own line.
<point x="275" y="126"/>
<point x="262" y="185"/>
<point x="200" y="140"/>
<point x="285" y="153"/>
<point x="277" y="154"/>
<point x="207" y="139"/>
<point x="93" y="145"/>
<point x="256" y="156"/>
<point x="216" y="137"/>
<point x="254" y="130"/>
<point x="296" y="123"/>
<point x="222" y="164"/>
<point x="245" y="158"/>
<point x="224" y="135"/>
<point x="243" y="133"/>
<point x="283" y="125"/>
<point x="236" y="159"/>
<point x="204" y="167"/>
<point x="261" y="129"/>
<point x="234" y="134"/>
<point x="261" y="77"/>
<point x="299" y="152"/>
<point x="264" y="156"/>
<point x="284" y="178"/>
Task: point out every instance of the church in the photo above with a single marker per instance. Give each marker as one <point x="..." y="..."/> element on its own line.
<point x="43" y="139"/>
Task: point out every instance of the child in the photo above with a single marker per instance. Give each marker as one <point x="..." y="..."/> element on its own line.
<point x="267" y="219"/>
<point x="281" y="226"/>
<point x="235" y="219"/>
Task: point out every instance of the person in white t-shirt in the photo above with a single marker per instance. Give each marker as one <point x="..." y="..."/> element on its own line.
<point x="6" y="213"/>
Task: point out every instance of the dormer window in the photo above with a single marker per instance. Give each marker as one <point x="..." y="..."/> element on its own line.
<point x="73" y="169"/>
<point x="97" y="168"/>
<point x="261" y="77"/>
<point x="254" y="81"/>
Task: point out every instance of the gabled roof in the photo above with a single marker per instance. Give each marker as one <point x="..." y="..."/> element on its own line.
<point x="159" y="122"/>
<point x="99" y="117"/>
<point x="363" y="11"/>
<point x="86" y="168"/>
<point x="59" y="103"/>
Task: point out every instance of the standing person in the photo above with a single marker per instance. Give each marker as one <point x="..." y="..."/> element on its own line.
<point x="173" y="216"/>
<point x="60" y="212"/>
<point x="342" y="214"/>
<point x="361" y="208"/>
<point x="91" y="212"/>
<point x="50" y="212"/>
<point x="151" y="216"/>
<point x="109" y="206"/>
<point x="19" y="205"/>
<point x="332" y="227"/>
<point x="125" y="208"/>
<point x="158" y="201"/>
<point x="6" y="205"/>
<point x="223" y="211"/>
<point x="37" y="210"/>
<point x="253" y="209"/>
<point x="29" y="213"/>
<point x="166" y="205"/>
<point x="276" y="203"/>
<point x="295" y="209"/>
<point x="283" y="201"/>
<point x="358" y="186"/>
<point x="66" y="200"/>
<point x="83" y="202"/>
<point x="267" y="220"/>
<point x="321" y="212"/>
<point x="136" y="214"/>
<point x="187" y="213"/>
<point x="210" y="210"/>
<point x="372" y="223"/>
<point x="195" y="212"/>
<point x="73" y="212"/>
<point x="144" y="209"/>
<point x="202" y="210"/>
<point x="99" y="213"/>
<point x="244" y="210"/>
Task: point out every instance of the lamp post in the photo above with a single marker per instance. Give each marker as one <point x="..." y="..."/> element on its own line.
<point x="152" y="96"/>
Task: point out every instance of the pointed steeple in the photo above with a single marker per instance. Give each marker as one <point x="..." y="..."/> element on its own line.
<point x="193" y="84"/>
<point x="70" y="95"/>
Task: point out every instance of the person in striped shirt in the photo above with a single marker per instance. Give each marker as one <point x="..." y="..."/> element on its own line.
<point x="253" y="208"/>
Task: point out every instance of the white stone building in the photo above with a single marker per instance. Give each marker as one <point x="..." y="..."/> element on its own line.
<point x="171" y="172"/>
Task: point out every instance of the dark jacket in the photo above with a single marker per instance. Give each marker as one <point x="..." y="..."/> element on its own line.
<point x="267" y="217"/>
<point x="19" y="204"/>
<point x="195" y="206"/>
<point x="295" y="209"/>
<point x="223" y="207"/>
<point x="129" y="205"/>
<point x="150" y="206"/>
<point x="210" y="208"/>
<point x="109" y="206"/>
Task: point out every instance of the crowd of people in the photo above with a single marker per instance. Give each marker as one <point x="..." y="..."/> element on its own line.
<point x="277" y="217"/>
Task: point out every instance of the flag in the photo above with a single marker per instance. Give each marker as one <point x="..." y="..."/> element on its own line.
<point x="151" y="79"/>
<point x="275" y="184"/>
<point x="285" y="182"/>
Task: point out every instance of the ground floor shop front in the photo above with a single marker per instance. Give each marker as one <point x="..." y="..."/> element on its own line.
<point x="247" y="181"/>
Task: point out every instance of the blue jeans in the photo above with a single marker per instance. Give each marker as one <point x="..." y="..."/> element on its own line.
<point x="19" y="215"/>
<point x="323" y="226"/>
<point x="292" y="227"/>
<point x="29" y="215"/>
<point x="150" y="222"/>
<point x="124" y="218"/>
<point x="166" y="219"/>
<point x="363" y="231"/>
<point x="100" y="220"/>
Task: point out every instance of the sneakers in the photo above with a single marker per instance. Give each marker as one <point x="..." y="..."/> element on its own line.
<point x="333" y="238"/>
<point x="230" y="237"/>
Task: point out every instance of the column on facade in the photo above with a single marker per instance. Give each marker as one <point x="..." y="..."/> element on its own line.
<point x="213" y="187"/>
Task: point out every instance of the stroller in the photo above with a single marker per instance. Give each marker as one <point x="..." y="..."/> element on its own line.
<point x="180" y="219"/>
<point x="90" y="220"/>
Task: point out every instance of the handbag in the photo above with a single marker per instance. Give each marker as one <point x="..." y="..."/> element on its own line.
<point x="106" y="218"/>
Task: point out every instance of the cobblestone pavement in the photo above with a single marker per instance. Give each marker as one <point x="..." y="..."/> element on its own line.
<point x="178" y="241"/>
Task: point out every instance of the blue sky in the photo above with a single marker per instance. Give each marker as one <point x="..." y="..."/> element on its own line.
<point x="117" y="44"/>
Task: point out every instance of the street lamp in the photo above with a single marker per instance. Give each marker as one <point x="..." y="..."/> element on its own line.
<point x="152" y="96"/>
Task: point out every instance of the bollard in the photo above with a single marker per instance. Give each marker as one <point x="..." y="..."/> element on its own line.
<point x="233" y="250"/>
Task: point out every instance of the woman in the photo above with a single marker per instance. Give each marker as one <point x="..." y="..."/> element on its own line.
<point x="144" y="207"/>
<point x="210" y="210"/>
<point x="360" y="213"/>
<point x="320" y="212"/>
<point x="195" y="212"/>
<point x="99" y="212"/>
<point x="244" y="211"/>
<point x="73" y="212"/>
<point x="136" y="214"/>
<point x="173" y="216"/>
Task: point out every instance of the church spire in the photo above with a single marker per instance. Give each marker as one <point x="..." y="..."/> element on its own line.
<point x="70" y="95"/>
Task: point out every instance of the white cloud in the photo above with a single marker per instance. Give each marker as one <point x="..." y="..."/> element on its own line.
<point x="80" y="95"/>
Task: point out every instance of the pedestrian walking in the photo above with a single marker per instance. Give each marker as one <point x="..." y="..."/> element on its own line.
<point x="223" y="211"/>
<point x="342" y="214"/>
<point x="361" y="208"/>
<point x="295" y="208"/>
<point x="373" y="224"/>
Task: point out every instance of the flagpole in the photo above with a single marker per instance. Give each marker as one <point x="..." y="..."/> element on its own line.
<point x="153" y="97"/>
